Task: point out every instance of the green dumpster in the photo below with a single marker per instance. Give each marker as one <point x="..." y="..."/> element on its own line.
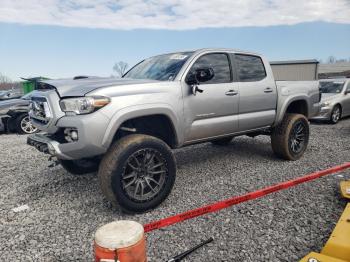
<point x="30" y="84"/>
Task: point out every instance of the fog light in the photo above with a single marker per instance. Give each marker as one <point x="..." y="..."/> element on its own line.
<point x="74" y="135"/>
<point x="71" y="134"/>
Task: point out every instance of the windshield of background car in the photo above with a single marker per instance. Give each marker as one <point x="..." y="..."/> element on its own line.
<point x="162" y="67"/>
<point x="331" y="87"/>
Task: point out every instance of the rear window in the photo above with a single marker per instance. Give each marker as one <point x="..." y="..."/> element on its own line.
<point x="250" y="68"/>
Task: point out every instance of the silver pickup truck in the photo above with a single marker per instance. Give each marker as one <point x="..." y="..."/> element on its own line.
<point x="125" y="128"/>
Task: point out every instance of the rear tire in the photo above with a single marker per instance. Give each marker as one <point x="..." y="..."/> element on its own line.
<point x="137" y="173"/>
<point x="80" y="166"/>
<point x="335" y="115"/>
<point x="222" y="141"/>
<point x="290" y="138"/>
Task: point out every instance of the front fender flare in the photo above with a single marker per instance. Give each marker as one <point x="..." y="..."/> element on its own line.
<point x="131" y="112"/>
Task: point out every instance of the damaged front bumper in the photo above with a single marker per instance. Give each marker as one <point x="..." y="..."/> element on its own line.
<point x="46" y="145"/>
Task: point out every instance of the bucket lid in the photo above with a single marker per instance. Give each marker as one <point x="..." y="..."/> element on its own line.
<point x="119" y="234"/>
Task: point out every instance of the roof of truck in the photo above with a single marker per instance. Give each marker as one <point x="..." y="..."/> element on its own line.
<point x="225" y="50"/>
<point x="212" y="50"/>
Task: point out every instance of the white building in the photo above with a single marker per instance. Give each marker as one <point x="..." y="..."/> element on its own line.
<point x="295" y="70"/>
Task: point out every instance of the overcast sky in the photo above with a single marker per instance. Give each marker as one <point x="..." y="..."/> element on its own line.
<point x="60" y="38"/>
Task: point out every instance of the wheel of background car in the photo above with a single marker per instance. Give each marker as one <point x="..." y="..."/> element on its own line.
<point x="80" y="166"/>
<point x="222" y="141"/>
<point x="137" y="173"/>
<point x="23" y="125"/>
<point x="290" y="138"/>
<point x="336" y="114"/>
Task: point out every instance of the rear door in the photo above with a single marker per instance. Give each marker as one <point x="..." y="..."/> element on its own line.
<point x="258" y="93"/>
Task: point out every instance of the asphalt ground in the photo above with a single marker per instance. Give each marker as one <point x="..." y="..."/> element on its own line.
<point x="65" y="210"/>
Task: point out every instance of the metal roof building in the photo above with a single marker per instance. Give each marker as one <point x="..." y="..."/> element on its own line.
<point x="295" y="70"/>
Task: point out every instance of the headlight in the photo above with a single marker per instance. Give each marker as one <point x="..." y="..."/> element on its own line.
<point x="83" y="105"/>
<point x="324" y="104"/>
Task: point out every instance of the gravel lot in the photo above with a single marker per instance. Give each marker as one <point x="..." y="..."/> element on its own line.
<point x="64" y="210"/>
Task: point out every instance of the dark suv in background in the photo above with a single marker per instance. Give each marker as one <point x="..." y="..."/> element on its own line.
<point x="14" y="115"/>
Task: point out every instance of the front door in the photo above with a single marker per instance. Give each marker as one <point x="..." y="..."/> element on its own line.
<point x="214" y="111"/>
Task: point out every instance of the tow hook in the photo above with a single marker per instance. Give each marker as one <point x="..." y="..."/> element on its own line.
<point x="54" y="161"/>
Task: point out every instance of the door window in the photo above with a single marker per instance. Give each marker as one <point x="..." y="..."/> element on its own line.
<point x="250" y="68"/>
<point x="219" y="63"/>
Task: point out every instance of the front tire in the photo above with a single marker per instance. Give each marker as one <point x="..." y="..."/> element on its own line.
<point x="335" y="115"/>
<point x="290" y="138"/>
<point x="137" y="173"/>
<point x="80" y="166"/>
<point x="23" y="125"/>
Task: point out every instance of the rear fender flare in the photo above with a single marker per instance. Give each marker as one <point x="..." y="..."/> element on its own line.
<point x="286" y="104"/>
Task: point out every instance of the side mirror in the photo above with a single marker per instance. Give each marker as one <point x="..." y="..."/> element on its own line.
<point x="204" y="74"/>
<point x="347" y="92"/>
<point x="200" y="75"/>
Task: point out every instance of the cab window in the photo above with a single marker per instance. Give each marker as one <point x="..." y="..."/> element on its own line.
<point x="219" y="63"/>
<point x="250" y="68"/>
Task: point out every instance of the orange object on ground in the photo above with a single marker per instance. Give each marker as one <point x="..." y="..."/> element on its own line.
<point x="122" y="241"/>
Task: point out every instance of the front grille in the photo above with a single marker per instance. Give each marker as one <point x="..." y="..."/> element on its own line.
<point x="40" y="110"/>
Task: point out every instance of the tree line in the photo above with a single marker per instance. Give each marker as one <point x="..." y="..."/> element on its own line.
<point x="333" y="60"/>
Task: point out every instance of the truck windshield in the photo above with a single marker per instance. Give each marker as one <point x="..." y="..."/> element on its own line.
<point x="331" y="87"/>
<point x="162" y="67"/>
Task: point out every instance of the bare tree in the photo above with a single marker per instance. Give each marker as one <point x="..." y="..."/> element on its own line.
<point x="331" y="60"/>
<point x="4" y="79"/>
<point x="5" y="82"/>
<point x="120" y="68"/>
<point x="341" y="60"/>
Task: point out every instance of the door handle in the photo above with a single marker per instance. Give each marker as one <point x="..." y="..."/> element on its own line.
<point x="231" y="93"/>
<point x="268" y="90"/>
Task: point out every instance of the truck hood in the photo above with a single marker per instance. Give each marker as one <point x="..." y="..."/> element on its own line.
<point x="80" y="87"/>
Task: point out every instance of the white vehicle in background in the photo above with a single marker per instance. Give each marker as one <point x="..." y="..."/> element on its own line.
<point x="335" y="100"/>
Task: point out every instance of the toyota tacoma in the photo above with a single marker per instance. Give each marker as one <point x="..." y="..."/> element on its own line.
<point x="125" y="128"/>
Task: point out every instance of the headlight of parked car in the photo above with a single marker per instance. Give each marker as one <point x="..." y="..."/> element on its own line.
<point x="325" y="104"/>
<point x="83" y="105"/>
